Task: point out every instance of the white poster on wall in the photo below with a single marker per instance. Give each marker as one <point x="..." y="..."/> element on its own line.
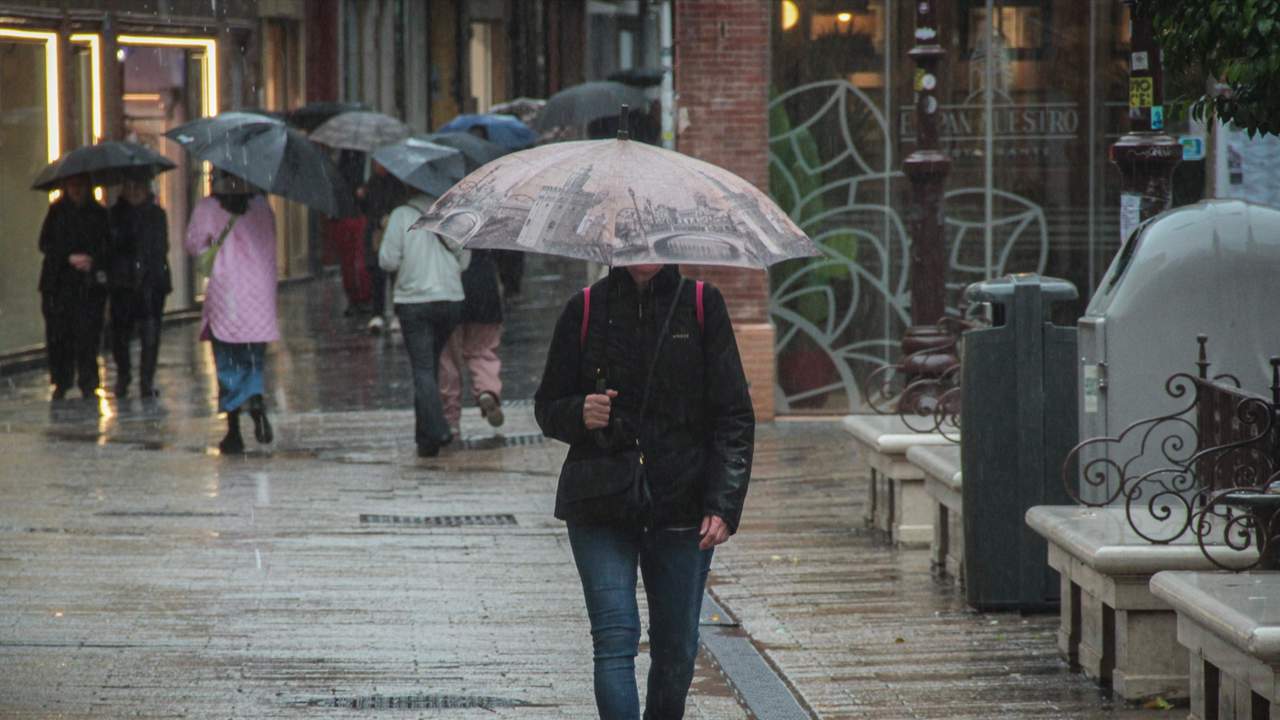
<point x="1253" y="167"/>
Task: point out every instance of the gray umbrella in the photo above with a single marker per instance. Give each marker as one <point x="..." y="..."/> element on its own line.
<point x="475" y="151"/>
<point x="580" y="104"/>
<point x="270" y="155"/>
<point x="361" y="130"/>
<point x="422" y="164"/>
<point x="106" y="163"/>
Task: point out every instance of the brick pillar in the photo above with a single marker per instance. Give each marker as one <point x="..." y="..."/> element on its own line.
<point x="722" y="96"/>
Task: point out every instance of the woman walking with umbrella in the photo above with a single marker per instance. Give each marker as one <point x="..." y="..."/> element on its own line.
<point x="643" y="379"/>
<point x="239" y="314"/>
<point x="139" y="278"/>
<point x="73" y="296"/>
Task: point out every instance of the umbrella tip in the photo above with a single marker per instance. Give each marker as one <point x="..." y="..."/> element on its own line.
<point x="624" y="129"/>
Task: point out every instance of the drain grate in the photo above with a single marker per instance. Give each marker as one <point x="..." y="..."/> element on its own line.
<point x="439" y="520"/>
<point x="163" y="513"/>
<point x="414" y="702"/>
<point x="494" y="442"/>
<point x="756" y="682"/>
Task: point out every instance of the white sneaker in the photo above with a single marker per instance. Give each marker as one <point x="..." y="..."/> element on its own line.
<point x="491" y="408"/>
<point x="375" y="325"/>
<point x="395" y="323"/>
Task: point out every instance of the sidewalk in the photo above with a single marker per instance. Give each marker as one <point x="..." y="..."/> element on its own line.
<point x="142" y="574"/>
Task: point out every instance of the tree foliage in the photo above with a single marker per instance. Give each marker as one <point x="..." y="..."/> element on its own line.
<point x="1235" y="41"/>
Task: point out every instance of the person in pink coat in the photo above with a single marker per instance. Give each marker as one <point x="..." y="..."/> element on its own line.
<point x="239" y="315"/>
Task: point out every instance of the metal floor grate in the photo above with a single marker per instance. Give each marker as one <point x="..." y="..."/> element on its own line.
<point x="413" y="702"/>
<point x="755" y="681"/>
<point x="440" y="520"/>
<point x="494" y="442"/>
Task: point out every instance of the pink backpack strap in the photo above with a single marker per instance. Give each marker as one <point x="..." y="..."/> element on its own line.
<point x="698" y="286"/>
<point x="586" y="316"/>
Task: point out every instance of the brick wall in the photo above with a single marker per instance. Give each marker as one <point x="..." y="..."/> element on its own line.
<point x="722" y="85"/>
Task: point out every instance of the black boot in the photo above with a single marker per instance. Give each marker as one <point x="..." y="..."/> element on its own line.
<point x="150" y="336"/>
<point x="232" y="444"/>
<point x="261" y="425"/>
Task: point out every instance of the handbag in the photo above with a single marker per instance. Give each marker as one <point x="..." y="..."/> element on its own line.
<point x="614" y="488"/>
<point x="204" y="261"/>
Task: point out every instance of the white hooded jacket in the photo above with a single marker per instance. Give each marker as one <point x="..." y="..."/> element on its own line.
<point x="428" y="266"/>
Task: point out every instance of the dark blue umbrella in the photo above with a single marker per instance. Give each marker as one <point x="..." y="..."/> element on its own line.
<point x="502" y="130"/>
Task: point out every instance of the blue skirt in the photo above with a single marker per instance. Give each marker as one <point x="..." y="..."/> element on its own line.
<point x="239" y="367"/>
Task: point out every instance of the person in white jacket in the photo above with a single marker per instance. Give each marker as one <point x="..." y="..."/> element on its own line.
<point x="428" y="302"/>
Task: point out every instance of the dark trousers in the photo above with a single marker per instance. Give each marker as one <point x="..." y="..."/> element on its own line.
<point x="426" y="328"/>
<point x="675" y="576"/>
<point x="72" y="334"/>
<point x="141" y="311"/>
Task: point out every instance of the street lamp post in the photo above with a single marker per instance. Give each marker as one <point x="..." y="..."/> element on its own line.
<point x="1146" y="156"/>
<point x="927" y="170"/>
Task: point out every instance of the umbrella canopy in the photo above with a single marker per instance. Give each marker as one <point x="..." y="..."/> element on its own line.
<point x="503" y="130"/>
<point x="580" y="104"/>
<point x="422" y="164"/>
<point x="313" y="114"/>
<point x="106" y="163"/>
<point x="270" y="155"/>
<point x="618" y="202"/>
<point x="475" y="151"/>
<point x="524" y="108"/>
<point x="360" y="130"/>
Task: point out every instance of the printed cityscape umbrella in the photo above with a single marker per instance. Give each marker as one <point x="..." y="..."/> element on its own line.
<point x="422" y="164"/>
<point x="475" y="151"/>
<point x="360" y="130"/>
<point x="269" y="155"/>
<point x="313" y="114"/>
<point x="580" y="104"/>
<point x="106" y="163"/>
<point x="502" y="130"/>
<point x="618" y="202"/>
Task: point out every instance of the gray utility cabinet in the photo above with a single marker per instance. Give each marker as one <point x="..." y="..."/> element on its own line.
<point x="1019" y="424"/>
<point x="1212" y="268"/>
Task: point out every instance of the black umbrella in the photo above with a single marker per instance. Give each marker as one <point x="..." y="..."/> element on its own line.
<point x="638" y="77"/>
<point x="268" y="154"/>
<point x="422" y="164"/>
<point x="360" y="130"/>
<point x="475" y="151"/>
<point x="578" y="105"/>
<point x="106" y="163"/>
<point x="314" y="114"/>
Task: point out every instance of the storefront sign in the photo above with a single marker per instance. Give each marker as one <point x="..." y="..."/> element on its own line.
<point x="1018" y="130"/>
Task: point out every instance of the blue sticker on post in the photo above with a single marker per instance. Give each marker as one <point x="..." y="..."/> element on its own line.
<point x="1157" y="117"/>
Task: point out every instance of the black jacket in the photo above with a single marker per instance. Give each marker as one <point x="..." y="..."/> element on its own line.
<point x="483" y="304"/>
<point x="69" y="229"/>
<point x="138" y="254"/>
<point x="699" y="428"/>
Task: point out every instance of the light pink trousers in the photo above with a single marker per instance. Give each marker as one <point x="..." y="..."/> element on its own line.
<point x="475" y="347"/>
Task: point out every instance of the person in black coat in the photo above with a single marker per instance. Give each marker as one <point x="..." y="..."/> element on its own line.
<point x="72" y="287"/>
<point x="139" y="278"/>
<point x="649" y="377"/>
<point x="383" y="193"/>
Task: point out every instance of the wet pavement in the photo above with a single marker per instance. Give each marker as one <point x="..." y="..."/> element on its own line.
<point x="143" y="575"/>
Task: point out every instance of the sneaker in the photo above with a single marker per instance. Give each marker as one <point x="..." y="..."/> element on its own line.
<point x="375" y="325"/>
<point x="395" y="323"/>
<point x="491" y="408"/>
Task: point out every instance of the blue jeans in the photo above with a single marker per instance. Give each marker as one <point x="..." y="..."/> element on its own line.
<point x="239" y="367"/>
<point x="426" y="328"/>
<point x="675" y="575"/>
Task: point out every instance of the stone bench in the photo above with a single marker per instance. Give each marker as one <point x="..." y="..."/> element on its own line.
<point x="1229" y="625"/>
<point x="941" y="467"/>
<point x="1111" y="624"/>
<point x="896" y="502"/>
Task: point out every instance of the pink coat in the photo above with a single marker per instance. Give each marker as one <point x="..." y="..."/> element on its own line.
<point x="240" y="300"/>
